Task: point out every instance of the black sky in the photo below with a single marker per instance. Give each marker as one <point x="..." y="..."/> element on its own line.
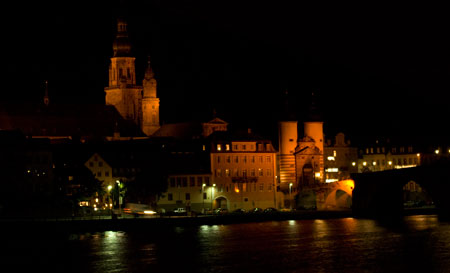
<point x="377" y="69"/>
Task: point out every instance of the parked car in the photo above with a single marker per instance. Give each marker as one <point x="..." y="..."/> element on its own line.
<point x="270" y="210"/>
<point x="180" y="211"/>
<point x="239" y="211"/>
<point x="220" y="211"/>
<point x="256" y="210"/>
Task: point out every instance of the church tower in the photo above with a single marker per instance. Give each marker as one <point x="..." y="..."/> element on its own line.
<point x="287" y="141"/>
<point x="122" y="91"/>
<point x="150" y="103"/>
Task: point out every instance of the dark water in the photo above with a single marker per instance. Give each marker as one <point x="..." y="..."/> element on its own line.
<point x="415" y="244"/>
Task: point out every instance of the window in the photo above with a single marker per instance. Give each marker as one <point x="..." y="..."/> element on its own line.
<point x="382" y="150"/>
<point x="205" y="196"/>
<point x="227" y="147"/>
<point x="268" y="159"/>
<point x="99" y="174"/>
<point x="244" y="147"/>
<point x="207" y="180"/>
<point x="218" y="172"/>
<point x="188" y="196"/>
<point x="218" y="159"/>
<point x="269" y="187"/>
<point x="244" y="172"/>
<point x="236" y="159"/>
<point x="178" y="181"/>
<point x="260" y="172"/>
<point x="219" y="147"/>
<point x="199" y="181"/>
<point x="192" y="181"/>
<point x="260" y="159"/>
<point x="107" y="174"/>
<point x="371" y="150"/>
<point x="228" y="159"/>
<point x="236" y="172"/>
<point x="91" y="164"/>
<point x="410" y="149"/>
<point x="261" y="186"/>
<point x="244" y="159"/>
<point x="172" y="182"/>
<point x="260" y="147"/>
<point x="184" y="181"/>
<point x="367" y="150"/>
<point x="410" y="161"/>
<point x="100" y="163"/>
<point x="235" y="147"/>
<point x="404" y="161"/>
<point x="253" y="159"/>
<point x="415" y="160"/>
<point x="394" y="150"/>
<point x="268" y="172"/>
<point x="252" y="172"/>
<point x="227" y="172"/>
<point x="170" y="197"/>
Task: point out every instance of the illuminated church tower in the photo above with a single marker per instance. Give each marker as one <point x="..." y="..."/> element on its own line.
<point x="122" y="91"/>
<point x="150" y="103"/>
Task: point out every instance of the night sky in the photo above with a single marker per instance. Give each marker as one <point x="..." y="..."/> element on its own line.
<point x="376" y="69"/>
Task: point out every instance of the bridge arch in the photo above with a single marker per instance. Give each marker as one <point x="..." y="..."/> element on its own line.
<point x="380" y="194"/>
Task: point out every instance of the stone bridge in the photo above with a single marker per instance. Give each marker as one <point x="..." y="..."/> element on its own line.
<point x="380" y="194"/>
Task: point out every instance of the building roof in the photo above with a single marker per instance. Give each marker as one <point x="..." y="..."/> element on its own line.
<point x="83" y="120"/>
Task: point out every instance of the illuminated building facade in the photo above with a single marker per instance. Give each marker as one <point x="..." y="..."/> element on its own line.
<point x="243" y="166"/>
<point x="340" y="159"/>
<point x="133" y="102"/>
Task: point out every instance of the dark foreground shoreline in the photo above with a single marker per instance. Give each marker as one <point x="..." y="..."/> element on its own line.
<point x="125" y="224"/>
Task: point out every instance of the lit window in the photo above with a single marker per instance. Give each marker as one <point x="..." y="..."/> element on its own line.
<point x="334" y="153"/>
<point x="227" y="147"/>
<point x="260" y="172"/>
<point x="219" y="147"/>
<point x="227" y="172"/>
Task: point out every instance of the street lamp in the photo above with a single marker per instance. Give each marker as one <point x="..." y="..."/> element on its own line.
<point x="203" y="197"/>
<point x="119" y="197"/>
<point x="109" y="198"/>
<point x="212" y="195"/>
<point x="290" y="196"/>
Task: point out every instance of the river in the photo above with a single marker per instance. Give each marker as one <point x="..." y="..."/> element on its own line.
<point x="418" y="243"/>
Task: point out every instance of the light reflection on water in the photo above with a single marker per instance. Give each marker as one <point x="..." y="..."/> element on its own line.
<point x="416" y="244"/>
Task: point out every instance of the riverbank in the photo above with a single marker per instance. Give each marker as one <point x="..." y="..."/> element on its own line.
<point x="158" y="222"/>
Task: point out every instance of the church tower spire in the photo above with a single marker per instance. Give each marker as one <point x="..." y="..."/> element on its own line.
<point x="150" y="103"/>
<point x="122" y="91"/>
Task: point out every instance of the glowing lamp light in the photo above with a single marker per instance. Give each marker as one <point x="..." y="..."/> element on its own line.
<point x="364" y="163"/>
<point x="109" y="187"/>
<point x="214" y="185"/>
<point x="353" y="163"/>
<point x="204" y="185"/>
<point x="390" y="162"/>
<point x="436" y="151"/>
<point x="418" y="155"/>
<point x="236" y="190"/>
<point x="374" y="163"/>
<point x="331" y="158"/>
<point x="317" y="174"/>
